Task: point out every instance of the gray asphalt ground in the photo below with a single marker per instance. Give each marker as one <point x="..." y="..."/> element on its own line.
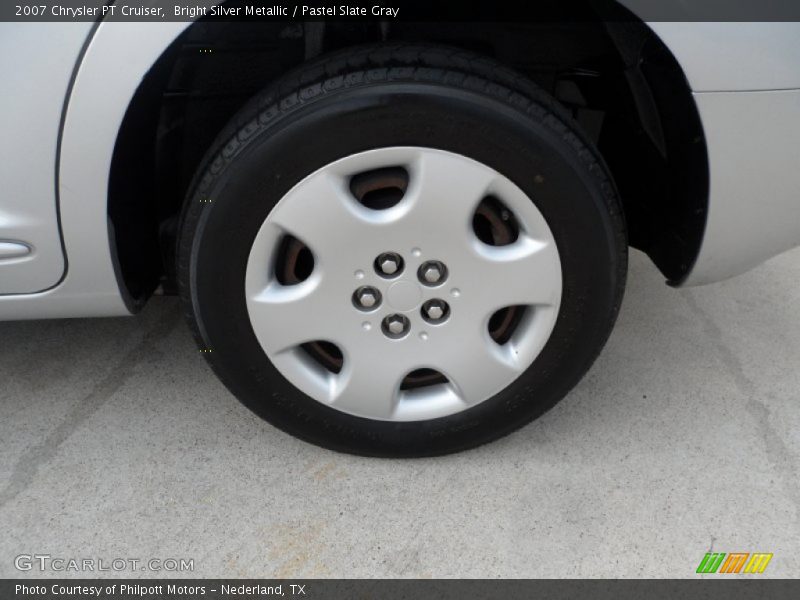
<point x="118" y="441"/>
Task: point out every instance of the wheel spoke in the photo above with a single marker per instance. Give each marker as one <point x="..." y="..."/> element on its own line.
<point x="286" y="316"/>
<point x="321" y="213"/>
<point x="444" y="191"/>
<point x="367" y="386"/>
<point x="524" y="273"/>
<point x="476" y="374"/>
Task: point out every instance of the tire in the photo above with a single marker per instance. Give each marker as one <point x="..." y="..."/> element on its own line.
<point x="379" y="98"/>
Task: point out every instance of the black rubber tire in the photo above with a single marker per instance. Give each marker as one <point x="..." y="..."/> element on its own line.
<point x="400" y="95"/>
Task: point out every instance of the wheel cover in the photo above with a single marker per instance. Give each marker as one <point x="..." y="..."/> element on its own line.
<point x="432" y="224"/>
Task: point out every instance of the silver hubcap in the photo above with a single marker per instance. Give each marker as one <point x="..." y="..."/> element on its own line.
<point x="406" y="288"/>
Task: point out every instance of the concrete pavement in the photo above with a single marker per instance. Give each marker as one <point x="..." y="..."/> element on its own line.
<point x="118" y="441"/>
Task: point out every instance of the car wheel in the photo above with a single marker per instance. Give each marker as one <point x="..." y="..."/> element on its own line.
<point x="402" y="251"/>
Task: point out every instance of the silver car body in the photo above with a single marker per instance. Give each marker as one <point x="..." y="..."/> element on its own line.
<point x="69" y="96"/>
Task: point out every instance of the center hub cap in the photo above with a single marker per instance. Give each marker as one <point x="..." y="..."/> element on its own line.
<point x="404" y="295"/>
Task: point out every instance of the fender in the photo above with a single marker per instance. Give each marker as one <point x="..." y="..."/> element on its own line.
<point x="727" y="56"/>
<point x="100" y="95"/>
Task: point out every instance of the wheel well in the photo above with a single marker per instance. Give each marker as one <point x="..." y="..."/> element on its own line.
<point x="619" y="81"/>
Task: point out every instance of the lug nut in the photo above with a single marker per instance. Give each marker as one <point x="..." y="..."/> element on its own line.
<point x="389" y="264"/>
<point x="395" y="326"/>
<point x="366" y="297"/>
<point x="432" y="272"/>
<point x="432" y="275"/>
<point x="435" y="311"/>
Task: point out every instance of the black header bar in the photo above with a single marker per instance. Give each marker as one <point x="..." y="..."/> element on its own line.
<point x="154" y="11"/>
